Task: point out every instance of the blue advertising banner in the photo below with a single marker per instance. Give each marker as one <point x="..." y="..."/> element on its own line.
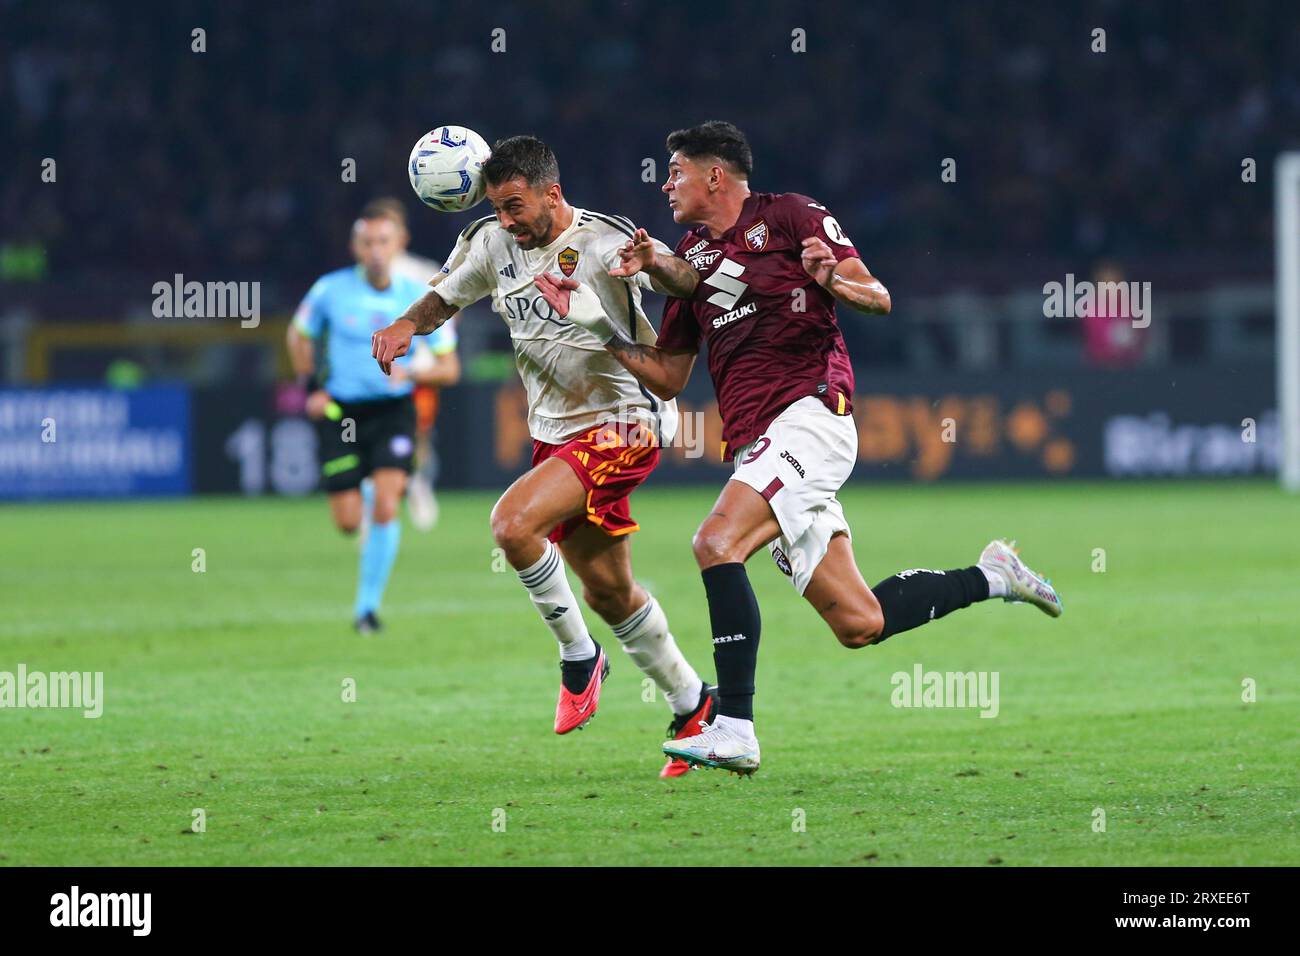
<point x="94" y="442"/>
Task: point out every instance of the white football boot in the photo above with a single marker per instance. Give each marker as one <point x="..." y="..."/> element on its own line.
<point x="721" y="744"/>
<point x="1024" y="586"/>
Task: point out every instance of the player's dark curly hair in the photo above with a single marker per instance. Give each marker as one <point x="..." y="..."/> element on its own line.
<point x="521" y="156"/>
<point x="714" y="138"/>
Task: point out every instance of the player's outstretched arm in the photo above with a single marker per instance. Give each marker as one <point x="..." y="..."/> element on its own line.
<point x="424" y="315"/>
<point x="669" y="275"/>
<point x="663" y="372"/>
<point x="428" y="312"/>
<point x="847" y="280"/>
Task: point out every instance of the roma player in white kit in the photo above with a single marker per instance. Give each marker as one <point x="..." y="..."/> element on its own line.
<point x="596" y="431"/>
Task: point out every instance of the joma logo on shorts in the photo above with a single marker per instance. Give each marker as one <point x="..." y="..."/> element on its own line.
<point x="794" y="463"/>
<point x="728" y="638"/>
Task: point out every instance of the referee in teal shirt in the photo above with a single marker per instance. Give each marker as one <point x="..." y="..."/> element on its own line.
<point x="366" y="418"/>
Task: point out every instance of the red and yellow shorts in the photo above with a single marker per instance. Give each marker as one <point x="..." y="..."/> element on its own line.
<point x="610" y="461"/>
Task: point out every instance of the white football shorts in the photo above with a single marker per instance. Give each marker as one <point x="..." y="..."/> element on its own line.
<point x="798" y="464"/>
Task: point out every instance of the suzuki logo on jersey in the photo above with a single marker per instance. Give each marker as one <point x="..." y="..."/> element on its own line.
<point x="756" y="236"/>
<point x="725" y="278"/>
<point x="568" y="260"/>
<point x="734" y="314"/>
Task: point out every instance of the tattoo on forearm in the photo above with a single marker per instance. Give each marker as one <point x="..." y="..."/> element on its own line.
<point x="624" y="347"/>
<point x="675" y="277"/>
<point x="430" y="324"/>
<point x="427" y="314"/>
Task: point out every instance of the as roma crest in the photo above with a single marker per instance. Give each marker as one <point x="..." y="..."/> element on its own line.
<point x="568" y="261"/>
<point x="756" y="236"/>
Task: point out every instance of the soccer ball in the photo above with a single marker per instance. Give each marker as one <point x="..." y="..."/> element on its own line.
<point x="446" y="168"/>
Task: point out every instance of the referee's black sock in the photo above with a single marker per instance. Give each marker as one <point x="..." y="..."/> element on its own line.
<point x="733" y="614"/>
<point x="911" y="598"/>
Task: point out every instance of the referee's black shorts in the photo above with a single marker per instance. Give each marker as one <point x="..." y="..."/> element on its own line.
<point x="365" y="436"/>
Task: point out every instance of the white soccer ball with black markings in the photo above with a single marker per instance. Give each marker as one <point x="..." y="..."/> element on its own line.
<point x="446" y="168"/>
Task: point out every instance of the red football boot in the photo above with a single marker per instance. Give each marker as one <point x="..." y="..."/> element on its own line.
<point x="572" y="711"/>
<point x="688" y="725"/>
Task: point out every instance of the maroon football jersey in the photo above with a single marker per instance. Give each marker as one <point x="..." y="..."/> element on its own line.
<point x="770" y="328"/>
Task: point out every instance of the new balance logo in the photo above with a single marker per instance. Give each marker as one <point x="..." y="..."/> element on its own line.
<point x="556" y="614"/>
<point x="728" y="638"/>
<point x="508" y="271"/>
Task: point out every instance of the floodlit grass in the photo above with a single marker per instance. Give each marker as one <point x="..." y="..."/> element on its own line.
<point x="224" y="691"/>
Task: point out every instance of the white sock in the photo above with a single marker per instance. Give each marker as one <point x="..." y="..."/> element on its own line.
<point x="644" y="635"/>
<point x="548" y="586"/>
<point x="741" y="726"/>
<point x="997" y="583"/>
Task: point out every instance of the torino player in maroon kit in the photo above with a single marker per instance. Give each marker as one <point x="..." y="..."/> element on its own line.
<point x="757" y="281"/>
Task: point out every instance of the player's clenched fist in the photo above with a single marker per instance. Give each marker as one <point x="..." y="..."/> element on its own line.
<point x="636" y="254"/>
<point x="391" y="343"/>
<point x="818" y="260"/>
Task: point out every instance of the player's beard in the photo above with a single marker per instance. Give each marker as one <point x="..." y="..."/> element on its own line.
<point x="539" y="231"/>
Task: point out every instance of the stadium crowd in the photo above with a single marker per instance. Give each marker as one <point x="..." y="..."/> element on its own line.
<point x="230" y="159"/>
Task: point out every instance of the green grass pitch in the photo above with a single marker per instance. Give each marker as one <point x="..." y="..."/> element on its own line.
<point x="224" y="691"/>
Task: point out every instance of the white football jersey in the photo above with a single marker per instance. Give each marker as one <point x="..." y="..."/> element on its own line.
<point x="572" y="382"/>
